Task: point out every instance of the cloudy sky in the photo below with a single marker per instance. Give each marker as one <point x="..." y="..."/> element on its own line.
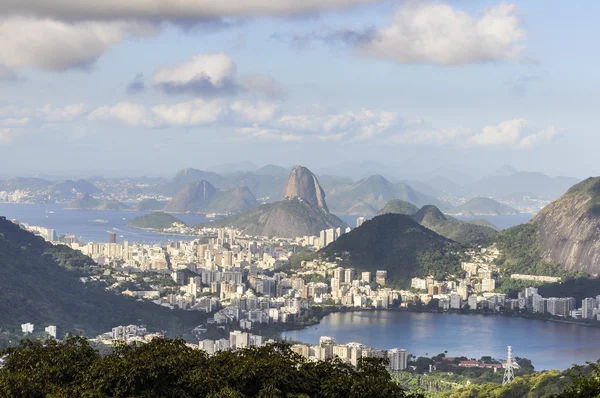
<point x="152" y="86"/>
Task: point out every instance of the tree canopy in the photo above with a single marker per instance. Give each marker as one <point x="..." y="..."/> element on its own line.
<point x="170" y="368"/>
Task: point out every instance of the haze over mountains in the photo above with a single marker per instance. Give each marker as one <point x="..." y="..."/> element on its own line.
<point x="240" y="187"/>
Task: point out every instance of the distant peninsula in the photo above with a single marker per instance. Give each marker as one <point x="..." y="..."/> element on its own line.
<point x="156" y="221"/>
<point x="482" y="207"/>
<point x="88" y="202"/>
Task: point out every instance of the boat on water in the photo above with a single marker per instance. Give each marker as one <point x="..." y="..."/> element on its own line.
<point x="101" y="221"/>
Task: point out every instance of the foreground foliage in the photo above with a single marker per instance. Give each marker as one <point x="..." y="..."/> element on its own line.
<point x="169" y="368"/>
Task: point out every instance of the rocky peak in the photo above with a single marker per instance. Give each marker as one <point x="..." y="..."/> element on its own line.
<point x="303" y="184"/>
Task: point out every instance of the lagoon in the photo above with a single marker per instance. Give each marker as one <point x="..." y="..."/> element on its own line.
<point x="549" y="345"/>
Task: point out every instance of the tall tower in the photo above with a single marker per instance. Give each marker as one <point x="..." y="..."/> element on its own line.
<point x="508" y="372"/>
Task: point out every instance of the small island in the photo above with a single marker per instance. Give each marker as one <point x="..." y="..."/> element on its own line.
<point x="158" y="221"/>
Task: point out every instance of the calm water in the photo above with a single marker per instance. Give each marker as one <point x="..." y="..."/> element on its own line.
<point x="82" y="222"/>
<point x="549" y="345"/>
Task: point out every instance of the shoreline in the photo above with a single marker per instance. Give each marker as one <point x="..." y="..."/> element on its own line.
<point x="334" y="310"/>
<point x="162" y="232"/>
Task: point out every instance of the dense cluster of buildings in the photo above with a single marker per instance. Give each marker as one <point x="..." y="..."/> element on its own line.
<point x="350" y="353"/>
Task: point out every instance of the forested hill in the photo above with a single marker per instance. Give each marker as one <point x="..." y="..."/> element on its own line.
<point x="400" y="245"/>
<point x="40" y="284"/>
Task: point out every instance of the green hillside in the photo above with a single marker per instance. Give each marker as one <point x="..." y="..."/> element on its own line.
<point x="451" y="228"/>
<point x="288" y="218"/>
<point x="157" y="220"/>
<point x="398" y="206"/>
<point x="398" y="244"/>
<point x="40" y="284"/>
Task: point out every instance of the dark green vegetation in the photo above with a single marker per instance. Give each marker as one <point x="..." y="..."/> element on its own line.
<point x="454" y="382"/>
<point x="87" y="202"/>
<point x="448" y="376"/>
<point x="288" y="218"/>
<point x="397" y="206"/>
<point x="150" y="205"/>
<point x="372" y="193"/>
<point x="203" y="197"/>
<point x="483" y="207"/>
<point x="169" y="368"/>
<point x="40" y="284"/>
<point x="400" y="245"/>
<point x="157" y="220"/>
<point x="483" y="223"/>
<point x="522" y="253"/>
<point x="451" y="228"/>
<point x="577" y="382"/>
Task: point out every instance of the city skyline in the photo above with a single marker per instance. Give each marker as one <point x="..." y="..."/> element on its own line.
<point x="128" y="90"/>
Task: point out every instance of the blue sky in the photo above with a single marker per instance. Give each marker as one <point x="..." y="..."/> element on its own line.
<point x="413" y="85"/>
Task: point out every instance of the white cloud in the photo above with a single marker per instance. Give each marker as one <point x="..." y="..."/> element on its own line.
<point x="63" y="114"/>
<point x="514" y="133"/>
<point x="57" y="46"/>
<point x="192" y="113"/>
<point x="131" y="114"/>
<point x="203" y="73"/>
<point x="254" y="112"/>
<point x="363" y="124"/>
<point x="10" y="122"/>
<point x="20" y="116"/>
<point x="509" y="134"/>
<point x="270" y="134"/>
<point x="189" y="114"/>
<point x="439" y="34"/>
<point x="437" y="137"/>
<point x="169" y="10"/>
<point x="213" y="74"/>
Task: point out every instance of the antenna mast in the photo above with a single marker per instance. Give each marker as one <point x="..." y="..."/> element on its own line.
<point x="508" y="371"/>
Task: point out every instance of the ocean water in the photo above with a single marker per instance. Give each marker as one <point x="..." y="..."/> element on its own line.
<point x="549" y="345"/>
<point x="86" y="224"/>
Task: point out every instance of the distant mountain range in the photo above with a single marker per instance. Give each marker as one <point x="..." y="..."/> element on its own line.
<point x="369" y="195"/>
<point x="526" y="190"/>
<point x="522" y="184"/>
<point x="303" y="211"/>
<point x="203" y="197"/>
